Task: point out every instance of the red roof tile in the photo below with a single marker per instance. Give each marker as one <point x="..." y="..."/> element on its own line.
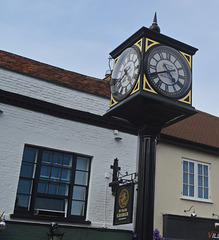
<point x="201" y="128"/>
<point x="55" y="74"/>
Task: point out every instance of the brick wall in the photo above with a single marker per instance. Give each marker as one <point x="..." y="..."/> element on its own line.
<point x="19" y="126"/>
<point x="49" y="92"/>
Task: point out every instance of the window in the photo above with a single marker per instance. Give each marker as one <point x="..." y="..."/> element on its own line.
<point x="196" y="180"/>
<point x="52" y="183"/>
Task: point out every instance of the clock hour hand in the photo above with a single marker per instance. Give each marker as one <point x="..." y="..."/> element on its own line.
<point x="125" y="72"/>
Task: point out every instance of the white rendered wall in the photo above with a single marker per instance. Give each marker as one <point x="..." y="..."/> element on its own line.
<point x="168" y="186"/>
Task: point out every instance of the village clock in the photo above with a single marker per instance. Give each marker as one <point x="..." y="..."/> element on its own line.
<point x="167" y="71"/>
<point x="151" y="82"/>
<point x="125" y="73"/>
<point x="151" y="88"/>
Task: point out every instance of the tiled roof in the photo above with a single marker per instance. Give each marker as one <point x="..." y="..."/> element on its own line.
<point x="201" y="128"/>
<point x="50" y="73"/>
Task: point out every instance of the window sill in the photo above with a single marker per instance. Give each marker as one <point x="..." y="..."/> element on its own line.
<point x="50" y="219"/>
<point x="197" y="200"/>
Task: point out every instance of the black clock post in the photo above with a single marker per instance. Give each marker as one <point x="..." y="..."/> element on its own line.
<point x="151" y="87"/>
<point x="146" y="182"/>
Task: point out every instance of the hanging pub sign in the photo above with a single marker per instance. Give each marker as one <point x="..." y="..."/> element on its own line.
<point x="123" y="208"/>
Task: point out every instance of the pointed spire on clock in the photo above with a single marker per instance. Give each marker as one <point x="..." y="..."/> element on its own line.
<point x="154" y="25"/>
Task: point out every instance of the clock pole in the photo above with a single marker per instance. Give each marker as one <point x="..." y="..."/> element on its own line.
<point x="146" y="182"/>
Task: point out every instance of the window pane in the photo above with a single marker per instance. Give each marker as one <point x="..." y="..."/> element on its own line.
<point x="63" y="190"/>
<point x="65" y="177"/>
<point x="206" y="193"/>
<point x="191" y="191"/>
<point x="205" y="170"/>
<point x="199" y="169"/>
<point x="47" y="156"/>
<point x="50" y="204"/>
<point x="45" y="172"/>
<point x="22" y="201"/>
<point x="205" y="181"/>
<point x="67" y="160"/>
<point x="77" y="208"/>
<point x="29" y="155"/>
<point x="81" y="178"/>
<point x="191" y="167"/>
<point x="24" y="186"/>
<point x="27" y="170"/>
<point x="82" y="163"/>
<point x="200" y="179"/>
<point x="200" y="192"/>
<point x="79" y="193"/>
<point x="55" y="173"/>
<point x="185" y="190"/>
<point x="53" y="188"/>
<point x="185" y="166"/>
<point x="57" y="158"/>
<point x="42" y="187"/>
<point x="191" y="179"/>
<point x="185" y="178"/>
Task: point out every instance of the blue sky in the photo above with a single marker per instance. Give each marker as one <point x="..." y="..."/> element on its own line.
<point x="78" y="35"/>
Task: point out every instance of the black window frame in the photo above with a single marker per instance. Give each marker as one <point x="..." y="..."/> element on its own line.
<point x="31" y="212"/>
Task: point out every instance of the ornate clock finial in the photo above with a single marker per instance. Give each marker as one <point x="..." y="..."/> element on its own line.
<point x="154" y="25"/>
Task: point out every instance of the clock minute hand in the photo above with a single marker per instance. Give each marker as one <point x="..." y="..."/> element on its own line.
<point x="165" y="71"/>
<point x="168" y="72"/>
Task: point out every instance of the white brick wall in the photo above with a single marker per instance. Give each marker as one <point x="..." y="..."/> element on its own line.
<point x="46" y="91"/>
<point x="19" y="126"/>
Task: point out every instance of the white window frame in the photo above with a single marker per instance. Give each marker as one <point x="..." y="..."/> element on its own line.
<point x="196" y="198"/>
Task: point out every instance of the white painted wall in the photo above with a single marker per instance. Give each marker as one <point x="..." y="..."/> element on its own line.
<point x="46" y="91"/>
<point x="19" y="127"/>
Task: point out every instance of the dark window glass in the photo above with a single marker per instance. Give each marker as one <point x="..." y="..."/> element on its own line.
<point x="52" y="183"/>
<point x="24" y="186"/>
<point x="22" y="201"/>
<point x="50" y="204"/>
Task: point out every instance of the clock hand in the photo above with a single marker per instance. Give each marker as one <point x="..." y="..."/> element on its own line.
<point x="168" y="72"/>
<point x="165" y="71"/>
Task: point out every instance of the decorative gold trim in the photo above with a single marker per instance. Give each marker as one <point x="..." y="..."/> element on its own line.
<point x="137" y="86"/>
<point x="147" y="86"/>
<point x="115" y="60"/>
<point x="139" y="44"/>
<point x="151" y="44"/>
<point x="188" y="58"/>
<point x="112" y="101"/>
<point x="187" y="99"/>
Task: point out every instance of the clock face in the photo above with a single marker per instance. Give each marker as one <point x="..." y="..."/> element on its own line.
<point x="167" y="71"/>
<point x="125" y="73"/>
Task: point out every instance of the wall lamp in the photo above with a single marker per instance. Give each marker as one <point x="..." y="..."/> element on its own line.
<point x="216" y="224"/>
<point x="54" y="233"/>
<point x="2" y="222"/>
<point x="193" y="213"/>
<point x="117" y="135"/>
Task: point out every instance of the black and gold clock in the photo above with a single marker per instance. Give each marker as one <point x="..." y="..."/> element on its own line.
<point x="167" y="71"/>
<point x="151" y="83"/>
<point x="125" y="73"/>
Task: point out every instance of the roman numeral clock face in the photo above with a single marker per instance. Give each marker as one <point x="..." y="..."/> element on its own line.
<point x="167" y="71"/>
<point x="125" y="73"/>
